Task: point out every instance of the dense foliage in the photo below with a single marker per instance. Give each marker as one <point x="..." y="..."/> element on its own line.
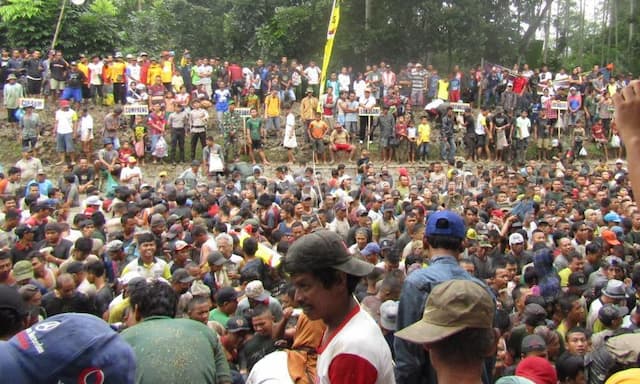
<point x="559" y="32"/>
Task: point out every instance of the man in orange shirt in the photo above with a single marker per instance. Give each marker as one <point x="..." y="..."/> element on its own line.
<point x="317" y="129"/>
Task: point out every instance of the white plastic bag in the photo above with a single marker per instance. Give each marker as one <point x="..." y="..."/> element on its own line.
<point x="615" y="141"/>
<point x="161" y="148"/>
<point x="583" y="152"/>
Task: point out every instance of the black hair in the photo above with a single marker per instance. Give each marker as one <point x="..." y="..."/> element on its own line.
<point x="96" y="268"/>
<point x="146" y="238"/>
<point x="568" y="366"/>
<point x="98" y="219"/>
<point x="250" y="246"/>
<point x="181" y="199"/>
<point x="445" y="242"/>
<point x="11" y="322"/>
<point x="84" y="245"/>
<point x="469" y="346"/>
<point x="502" y="321"/>
<point x="259" y="310"/>
<point x="565" y="303"/>
<point x="575" y="330"/>
<point x="155" y="298"/>
<point x="198" y="230"/>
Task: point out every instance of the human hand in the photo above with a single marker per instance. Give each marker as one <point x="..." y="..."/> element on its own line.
<point x="627" y="105"/>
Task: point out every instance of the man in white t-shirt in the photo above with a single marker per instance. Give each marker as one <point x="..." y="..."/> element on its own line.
<point x="132" y="174"/>
<point x="312" y="73"/>
<point x="353" y="349"/>
<point x="522" y="133"/>
<point x="205" y="71"/>
<point x="64" y="128"/>
<point x="96" y="67"/>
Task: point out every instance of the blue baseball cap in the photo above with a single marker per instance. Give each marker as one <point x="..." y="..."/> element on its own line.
<point x="68" y="348"/>
<point x="445" y="223"/>
<point x="369" y="249"/>
<point x="612" y="216"/>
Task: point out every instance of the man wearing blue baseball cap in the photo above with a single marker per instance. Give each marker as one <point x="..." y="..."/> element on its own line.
<point x="67" y="348"/>
<point x="443" y="237"/>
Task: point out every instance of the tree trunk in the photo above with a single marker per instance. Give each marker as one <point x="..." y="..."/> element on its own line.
<point x="533" y="27"/>
<point x="547" y="31"/>
<point x="581" y="41"/>
<point x="632" y="10"/>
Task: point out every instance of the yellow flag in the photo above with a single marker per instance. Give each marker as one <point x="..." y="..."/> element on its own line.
<point x="334" y="21"/>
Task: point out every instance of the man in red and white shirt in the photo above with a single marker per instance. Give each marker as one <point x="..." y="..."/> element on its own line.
<point x="353" y="349"/>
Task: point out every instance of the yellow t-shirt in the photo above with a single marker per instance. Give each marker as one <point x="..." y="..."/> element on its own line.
<point x="424" y="133"/>
<point x="116" y="72"/>
<point x="154" y="71"/>
<point x="116" y="313"/>
<point x="167" y="71"/>
<point x="272" y="106"/>
<point x="85" y="70"/>
<point x="564" y="277"/>
<point x="443" y="89"/>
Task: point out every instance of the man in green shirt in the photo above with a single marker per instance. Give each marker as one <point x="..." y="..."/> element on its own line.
<point x="255" y="131"/>
<point x="227" y="301"/>
<point x="172" y="350"/>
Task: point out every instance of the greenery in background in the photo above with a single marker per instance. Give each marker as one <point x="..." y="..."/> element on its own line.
<point x="432" y="31"/>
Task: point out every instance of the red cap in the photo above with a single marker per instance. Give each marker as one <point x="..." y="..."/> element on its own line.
<point x="610" y="237"/>
<point x="64" y="103"/>
<point x="497" y="213"/>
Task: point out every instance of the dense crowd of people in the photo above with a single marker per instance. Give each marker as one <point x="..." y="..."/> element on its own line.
<point x="516" y="271"/>
<point x="506" y="113"/>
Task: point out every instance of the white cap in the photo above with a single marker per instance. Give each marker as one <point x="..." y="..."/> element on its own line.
<point x="516" y="238"/>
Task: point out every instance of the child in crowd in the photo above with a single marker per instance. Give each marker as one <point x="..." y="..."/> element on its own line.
<point x="424" y="137"/>
<point x="412" y="135"/>
<point x="139" y="135"/>
<point x="86" y="132"/>
<point x="290" y="142"/>
<point x="401" y="139"/>
<point x="125" y="152"/>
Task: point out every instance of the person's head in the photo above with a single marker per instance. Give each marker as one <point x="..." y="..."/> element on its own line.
<point x="537" y="369"/>
<point x="198" y="309"/>
<point x="5" y="265"/>
<point x="572" y="308"/>
<point x="570" y="369"/>
<point x="181" y="280"/>
<point x="576" y="341"/>
<point x="457" y="325"/>
<point x="95" y="271"/>
<point x="262" y="320"/>
<point x="534" y="345"/>
<point x="65" y="285"/>
<point x="611" y="315"/>
<point x="147" y="247"/>
<point x="227" y="300"/>
<point x="14" y="314"/>
<point x="445" y="231"/>
<point x="323" y="274"/>
<point x="155" y="298"/>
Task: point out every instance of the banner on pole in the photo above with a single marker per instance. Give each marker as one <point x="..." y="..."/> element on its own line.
<point x="375" y="111"/>
<point x="334" y="21"/>
<point x="559" y="105"/>
<point x="460" y="107"/>
<point x="31" y="102"/>
<point x="243" y="112"/>
<point x="136" y="109"/>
